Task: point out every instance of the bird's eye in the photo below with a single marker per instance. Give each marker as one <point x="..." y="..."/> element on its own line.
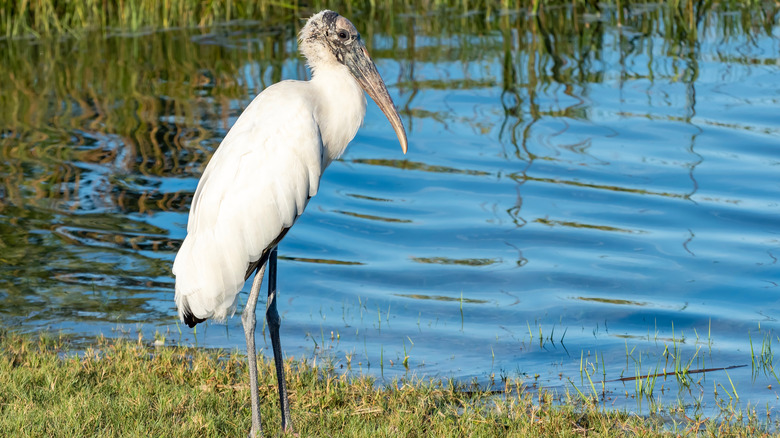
<point x="343" y="35"/>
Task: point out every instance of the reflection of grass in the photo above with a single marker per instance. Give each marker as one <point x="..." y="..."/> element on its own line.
<point x="571" y="224"/>
<point x="80" y="133"/>
<point x="413" y="165"/>
<point x="460" y="262"/>
<point x="522" y="178"/>
<point x="72" y="122"/>
<point x="321" y="261"/>
<point x="442" y="298"/>
<point x="372" y="217"/>
<point x="368" y="198"/>
<point x="613" y="301"/>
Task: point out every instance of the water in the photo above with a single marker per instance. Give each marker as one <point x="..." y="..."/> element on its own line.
<point x="578" y="194"/>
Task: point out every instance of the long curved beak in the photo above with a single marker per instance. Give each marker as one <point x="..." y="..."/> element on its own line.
<point x="363" y="69"/>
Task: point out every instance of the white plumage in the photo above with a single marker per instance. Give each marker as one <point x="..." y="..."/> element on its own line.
<point x="262" y="176"/>
<point x="259" y="181"/>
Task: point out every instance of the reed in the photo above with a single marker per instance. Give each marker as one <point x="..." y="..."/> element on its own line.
<point x="43" y="18"/>
<point x="46" y="17"/>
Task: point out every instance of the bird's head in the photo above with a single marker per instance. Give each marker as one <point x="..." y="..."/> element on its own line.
<point x="327" y="39"/>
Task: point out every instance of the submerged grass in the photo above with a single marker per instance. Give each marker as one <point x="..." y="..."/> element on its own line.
<point x="119" y="387"/>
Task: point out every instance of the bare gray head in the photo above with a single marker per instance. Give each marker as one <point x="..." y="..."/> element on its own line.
<point x="326" y="38"/>
<point x="330" y="40"/>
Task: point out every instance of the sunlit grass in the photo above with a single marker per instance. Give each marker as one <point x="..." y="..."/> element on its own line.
<point x="128" y="387"/>
<point x="107" y="97"/>
<point x="52" y="17"/>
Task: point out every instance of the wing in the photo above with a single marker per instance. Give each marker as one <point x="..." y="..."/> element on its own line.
<point x="256" y="185"/>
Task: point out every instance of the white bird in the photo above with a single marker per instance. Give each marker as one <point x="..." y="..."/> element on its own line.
<point x="262" y="176"/>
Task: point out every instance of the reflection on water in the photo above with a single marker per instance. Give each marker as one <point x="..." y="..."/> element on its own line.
<point x="589" y="179"/>
<point x="613" y="301"/>
<point x="441" y="298"/>
<point x="412" y="165"/>
<point x="462" y="262"/>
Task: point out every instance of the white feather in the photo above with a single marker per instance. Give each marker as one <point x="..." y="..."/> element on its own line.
<point x="259" y="181"/>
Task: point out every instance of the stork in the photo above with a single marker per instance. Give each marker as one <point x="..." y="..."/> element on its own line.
<point x="262" y="176"/>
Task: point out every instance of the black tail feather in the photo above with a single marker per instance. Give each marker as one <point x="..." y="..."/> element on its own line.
<point x="190" y="319"/>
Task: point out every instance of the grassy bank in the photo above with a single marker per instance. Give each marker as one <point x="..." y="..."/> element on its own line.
<point x="54" y="17"/>
<point x="127" y="388"/>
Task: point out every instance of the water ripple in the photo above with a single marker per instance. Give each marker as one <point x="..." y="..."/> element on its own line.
<point x="575" y="186"/>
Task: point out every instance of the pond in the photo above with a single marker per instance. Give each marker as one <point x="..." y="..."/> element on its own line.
<point x="590" y="199"/>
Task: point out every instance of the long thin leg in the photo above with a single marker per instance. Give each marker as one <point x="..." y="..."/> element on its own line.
<point x="249" y="321"/>
<point x="272" y="317"/>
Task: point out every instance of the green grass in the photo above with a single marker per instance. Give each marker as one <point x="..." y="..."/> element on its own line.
<point x="127" y="388"/>
<point x="42" y="18"/>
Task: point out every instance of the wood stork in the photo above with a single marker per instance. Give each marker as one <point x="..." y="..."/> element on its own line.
<point x="262" y="176"/>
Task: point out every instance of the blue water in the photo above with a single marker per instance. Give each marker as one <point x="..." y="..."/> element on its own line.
<point x="615" y="210"/>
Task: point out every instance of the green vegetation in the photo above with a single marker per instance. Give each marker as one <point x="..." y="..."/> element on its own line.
<point x="39" y="18"/>
<point x="51" y="17"/>
<point x="110" y="115"/>
<point x="127" y="388"/>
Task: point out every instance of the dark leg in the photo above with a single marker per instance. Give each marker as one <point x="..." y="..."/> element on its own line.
<point x="272" y="316"/>
<point x="249" y="321"/>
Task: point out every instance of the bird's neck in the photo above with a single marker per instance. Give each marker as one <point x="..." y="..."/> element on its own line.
<point x="341" y="106"/>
